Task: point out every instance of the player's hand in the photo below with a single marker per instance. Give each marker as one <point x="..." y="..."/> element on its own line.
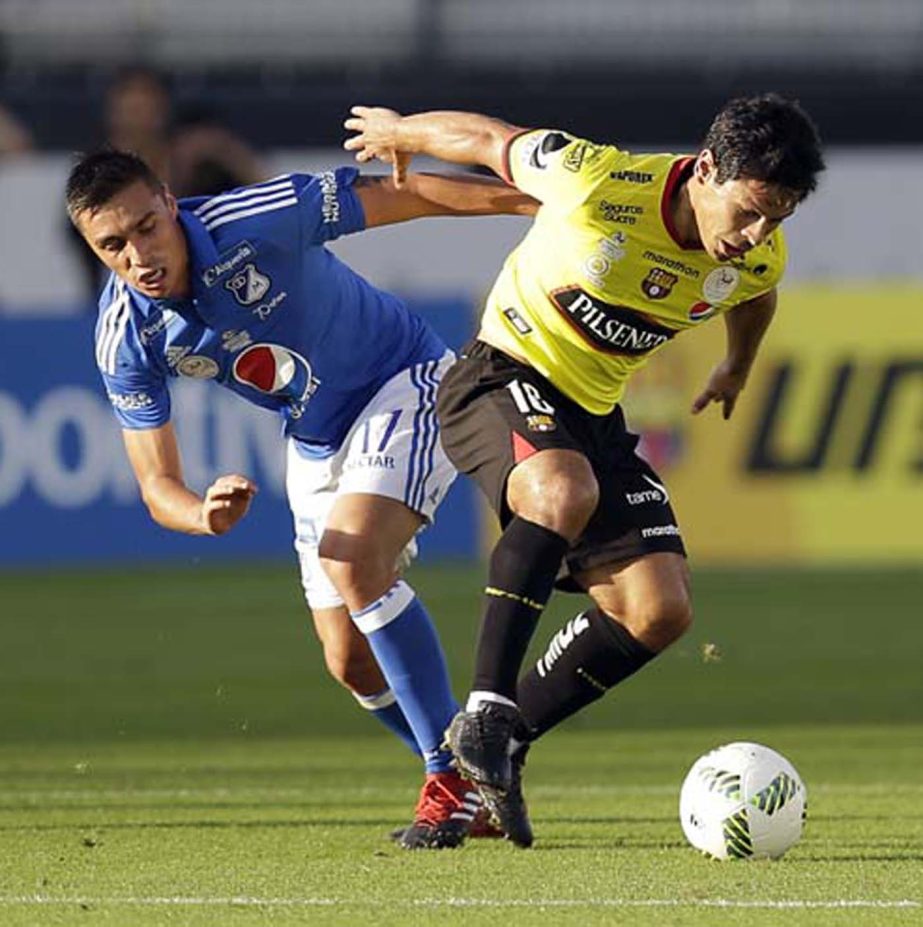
<point x="724" y="386"/>
<point x="226" y="502"/>
<point x="376" y="137"/>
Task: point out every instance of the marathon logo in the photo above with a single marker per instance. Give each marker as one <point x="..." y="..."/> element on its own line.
<point x="687" y="270"/>
<point x="228" y="261"/>
<point x="612" y="329"/>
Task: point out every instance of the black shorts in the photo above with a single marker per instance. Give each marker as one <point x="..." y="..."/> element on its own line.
<point x="495" y="412"/>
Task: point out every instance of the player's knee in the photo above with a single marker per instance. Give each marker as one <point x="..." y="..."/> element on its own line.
<point x="357" y="568"/>
<point x="657" y="622"/>
<point x="560" y="500"/>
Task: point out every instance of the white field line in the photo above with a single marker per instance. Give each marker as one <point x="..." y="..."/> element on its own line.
<point x="255" y="902"/>
<point x="314" y="794"/>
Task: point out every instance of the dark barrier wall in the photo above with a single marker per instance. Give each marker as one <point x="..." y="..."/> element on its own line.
<point x="67" y="494"/>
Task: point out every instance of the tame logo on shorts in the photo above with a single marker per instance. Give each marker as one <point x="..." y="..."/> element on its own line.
<point x="658" y="493"/>
<point x="613" y="329"/>
<point x="560" y="642"/>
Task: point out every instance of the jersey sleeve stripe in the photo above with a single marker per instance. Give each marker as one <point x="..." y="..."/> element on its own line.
<point x="277" y="183"/>
<point x="109" y="325"/>
<point x="256" y="210"/>
<point x="507" y="172"/>
<point x="114" y="339"/>
<point x="221" y="209"/>
<point x="105" y="328"/>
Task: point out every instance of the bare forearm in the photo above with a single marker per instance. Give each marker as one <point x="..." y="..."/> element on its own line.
<point x="172" y="505"/>
<point x="473" y="196"/>
<point x="746" y="326"/>
<point x="460" y="138"/>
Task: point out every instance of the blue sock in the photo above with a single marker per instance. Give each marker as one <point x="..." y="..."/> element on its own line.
<point x="405" y="644"/>
<point x="384" y="707"/>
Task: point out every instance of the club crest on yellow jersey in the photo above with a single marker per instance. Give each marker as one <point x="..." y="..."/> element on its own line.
<point x="658" y="283"/>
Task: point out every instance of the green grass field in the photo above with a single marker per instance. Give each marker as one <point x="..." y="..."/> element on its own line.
<point x="173" y="753"/>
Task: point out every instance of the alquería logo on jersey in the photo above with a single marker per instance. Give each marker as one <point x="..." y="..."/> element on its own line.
<point x="613" y="329"/>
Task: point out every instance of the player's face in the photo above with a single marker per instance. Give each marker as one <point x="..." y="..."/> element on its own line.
<point x="137" y="235"/>
<point x="735" y="215"/>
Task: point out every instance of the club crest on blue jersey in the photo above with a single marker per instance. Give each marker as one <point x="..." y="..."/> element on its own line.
<point x="277" y="371"/>
<point x="248" y="285"/>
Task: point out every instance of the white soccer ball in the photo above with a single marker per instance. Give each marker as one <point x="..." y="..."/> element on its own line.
<point x="742" y="801"/>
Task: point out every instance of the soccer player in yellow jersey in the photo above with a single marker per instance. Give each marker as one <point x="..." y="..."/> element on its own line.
<point x="626" y="252"/>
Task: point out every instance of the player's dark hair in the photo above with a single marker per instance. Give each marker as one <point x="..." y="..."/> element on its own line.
<point x="99" y="176"/>
<point x="766" y="138"/>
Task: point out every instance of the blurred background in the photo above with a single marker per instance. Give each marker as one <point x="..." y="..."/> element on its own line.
<point x="822" y="465"/>
<point x="802" y="514"/>
<point x="823" y="462"/>
<point x="826" y="453"/>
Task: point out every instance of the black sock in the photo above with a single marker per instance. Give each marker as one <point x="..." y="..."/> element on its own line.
<point x="523" y="568"/>
<point x="588" y="656"/>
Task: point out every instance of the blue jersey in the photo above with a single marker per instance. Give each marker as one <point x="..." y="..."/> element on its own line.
<point x="272" y="314"/>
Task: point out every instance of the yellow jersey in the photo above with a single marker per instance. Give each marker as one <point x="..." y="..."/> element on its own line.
<point x="601" y="282"/>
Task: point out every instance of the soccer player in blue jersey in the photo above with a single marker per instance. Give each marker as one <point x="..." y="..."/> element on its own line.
<point x="240" y="289"/>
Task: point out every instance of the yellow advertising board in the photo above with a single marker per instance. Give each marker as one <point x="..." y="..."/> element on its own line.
<point x="822" y="461"/>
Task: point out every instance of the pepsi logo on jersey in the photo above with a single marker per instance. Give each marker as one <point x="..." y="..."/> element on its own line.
<point x="277" y="371"/>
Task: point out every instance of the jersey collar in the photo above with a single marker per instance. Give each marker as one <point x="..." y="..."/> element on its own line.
<point x="680" y="171"/>
<point x="202" y="250"/>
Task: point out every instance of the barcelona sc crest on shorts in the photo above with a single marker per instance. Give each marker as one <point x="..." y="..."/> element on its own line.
<point x="540" y="423"/>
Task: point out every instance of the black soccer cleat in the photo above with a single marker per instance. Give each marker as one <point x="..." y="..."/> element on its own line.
<point x="481" y="743"/>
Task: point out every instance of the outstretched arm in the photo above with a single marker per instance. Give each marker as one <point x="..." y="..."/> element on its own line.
<point x="439" y="195"/>
<point x="154" y="457"/>
<point x="746" y="324"/>
<point x="461" y="138"/>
